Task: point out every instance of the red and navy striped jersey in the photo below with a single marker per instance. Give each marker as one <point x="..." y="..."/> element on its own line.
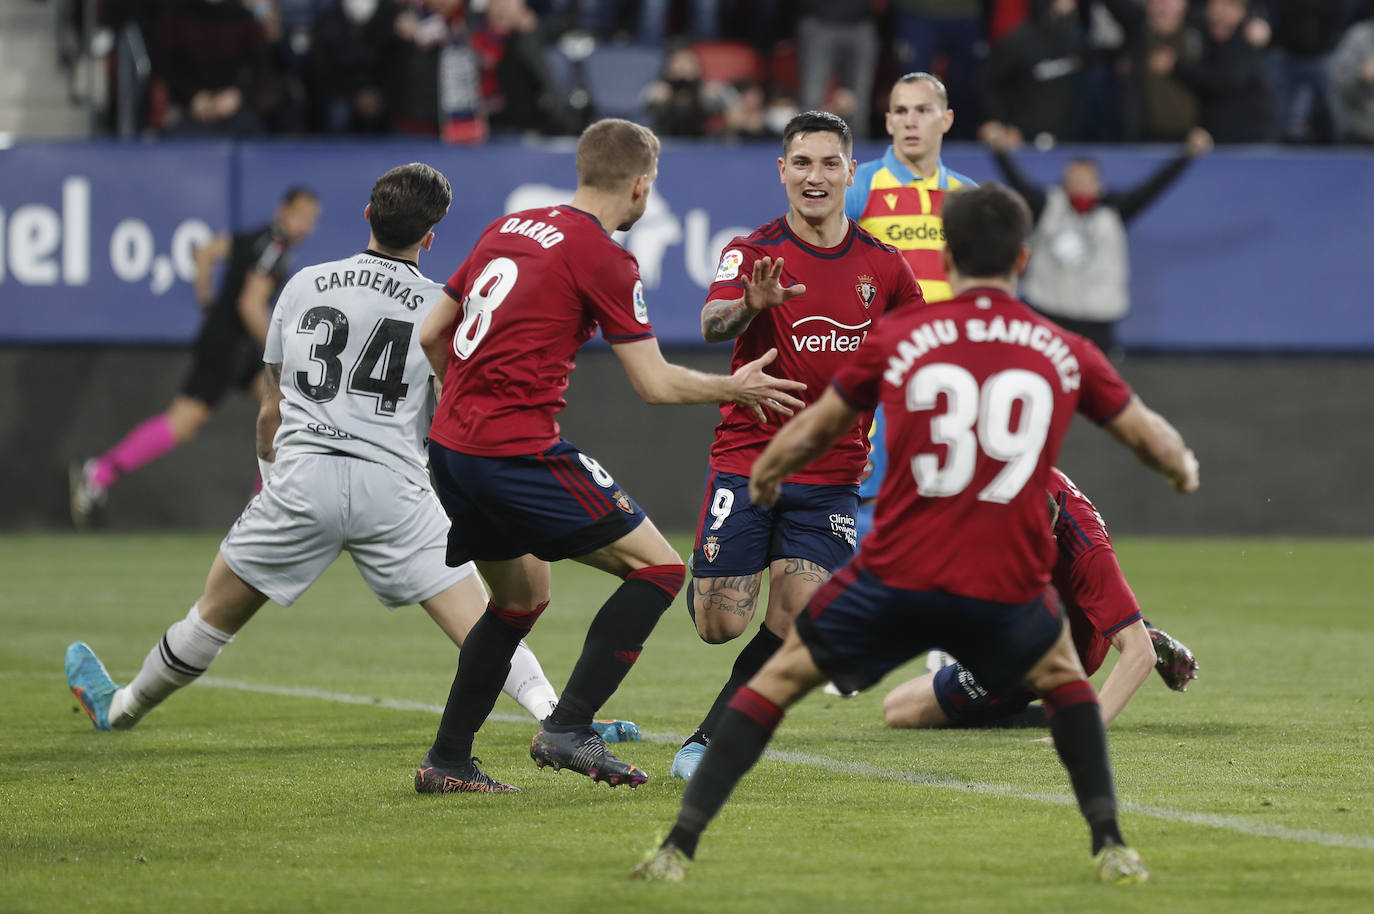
<point x="977" y="393"/>
<point x="1097" y="599"/>
<point x="533" y="290"/>
<point x="848" y="287"/>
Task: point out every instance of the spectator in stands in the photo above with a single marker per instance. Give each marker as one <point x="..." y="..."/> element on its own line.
<point x="952" y="29"/>
<point x="838" y="39"/>
<point x="354" y="51"/>
<point x="212" y="55"/>
<point x="1305" y="33"/>
<point x="1157" y="106"/>
<point x="1352" y="72"/>
<point x="679" y="103"/>
<point x="439" y="80"/>
<point x="1079" y="266"/>
<point x="1229" y="77"/>
<point x="1032" y="79"/>
<point x="518" y="91"/>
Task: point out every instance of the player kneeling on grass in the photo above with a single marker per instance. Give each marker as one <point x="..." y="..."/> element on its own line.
<point x="347" y="466"/>
<point x="978" y="393"/>
<point x="1102" y="613"/>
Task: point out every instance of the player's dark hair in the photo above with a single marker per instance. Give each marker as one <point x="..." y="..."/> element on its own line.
<point x="299" y="192"/>
<point x="406" y="203"/>
<point x="985" y="229"/>
<point x="612" y="153"/>
<point x="818" y="122"/>
<point x="922" y="77"/>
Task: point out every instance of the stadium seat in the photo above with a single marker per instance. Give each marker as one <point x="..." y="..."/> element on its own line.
<point x="617" y="75"/>
<point x="783" y="68"/>
<point x="728" y="62"/>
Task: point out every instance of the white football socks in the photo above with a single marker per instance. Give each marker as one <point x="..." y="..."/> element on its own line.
<point x="528" y="685"/>
<point x="183" y="654"/>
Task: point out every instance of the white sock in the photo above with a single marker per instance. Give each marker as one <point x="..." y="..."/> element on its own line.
<point x="528" y="685"/>
<point x="183" y="654"/>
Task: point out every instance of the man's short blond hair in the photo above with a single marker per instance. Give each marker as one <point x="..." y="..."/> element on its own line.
<point x="613" y="152"/>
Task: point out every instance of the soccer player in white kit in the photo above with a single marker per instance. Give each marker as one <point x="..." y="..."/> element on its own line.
<point x="340" y="435"/>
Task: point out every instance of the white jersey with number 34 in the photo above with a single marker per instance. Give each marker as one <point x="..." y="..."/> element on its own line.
<point x="354" y="379"/>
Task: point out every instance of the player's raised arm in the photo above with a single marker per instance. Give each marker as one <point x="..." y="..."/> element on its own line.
<point x="725" y="319"/>
<point x="799" y="442"/>
<point x="434" y="333"/>
<point x="1157" y="443"/>
<point x="659" y="381"/>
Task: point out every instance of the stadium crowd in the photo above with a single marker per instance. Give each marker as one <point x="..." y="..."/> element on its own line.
<point x="1047" y="71"/>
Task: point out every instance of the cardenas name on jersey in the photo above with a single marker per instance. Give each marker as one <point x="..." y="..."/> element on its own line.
<point x="366" y="273"/>
<point x="354" y="379"/>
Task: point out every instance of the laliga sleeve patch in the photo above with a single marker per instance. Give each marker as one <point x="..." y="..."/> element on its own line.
<point x="730" y="263"/>
<point x="641" y="309"/>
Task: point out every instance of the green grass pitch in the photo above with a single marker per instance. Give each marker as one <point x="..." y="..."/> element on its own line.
<point x="264" y="788"/>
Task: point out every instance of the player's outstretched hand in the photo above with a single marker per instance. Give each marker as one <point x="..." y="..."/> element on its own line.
<point x="1188" y="480"/>
<point x="764" y="289"/>
<point x="759" y="391"/>
<point x="764" y="492"/>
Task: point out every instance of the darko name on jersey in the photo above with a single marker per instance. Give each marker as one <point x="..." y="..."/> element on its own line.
<point x="544" y="233"/>
<point x="390" y="286"/>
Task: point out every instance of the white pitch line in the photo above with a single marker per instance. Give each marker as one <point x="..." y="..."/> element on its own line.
<point x="861" y="769"/>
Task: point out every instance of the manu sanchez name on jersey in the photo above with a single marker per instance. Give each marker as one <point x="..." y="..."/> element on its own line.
<point x="354" y="379"/>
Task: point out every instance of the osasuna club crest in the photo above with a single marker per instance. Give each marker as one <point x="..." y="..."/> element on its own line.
<point x="866" y="290"/>
<point x="622" y="501"/>
<point x="711" y="548"/>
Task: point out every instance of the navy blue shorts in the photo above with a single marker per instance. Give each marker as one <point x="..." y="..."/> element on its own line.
<point x="967" y="704"/>
<point x="558" y="504"/>
<point x="737" y="537"/>
<point x="859" y="629"/>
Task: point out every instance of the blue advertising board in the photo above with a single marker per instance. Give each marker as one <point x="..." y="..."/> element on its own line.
<point x="1249" y="250"/>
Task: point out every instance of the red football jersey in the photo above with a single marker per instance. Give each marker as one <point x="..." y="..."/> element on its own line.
<point x="533" y="290"/>
<point x="1096" y="596"/>
<point x="848" y="287"/>
<point x="977" y="393"/>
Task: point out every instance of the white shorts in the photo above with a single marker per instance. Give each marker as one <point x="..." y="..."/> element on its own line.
<point x="316" y="506"/>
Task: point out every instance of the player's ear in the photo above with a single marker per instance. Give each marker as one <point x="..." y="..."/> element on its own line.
<point x="426" y="241"/>
<point x="367" y="211"/>
<point x="947" y="120"/>
<point x="946" y="261"/>
<point x="1022" y="259"/>
<point x="782" y="171"/>
<point x="853" y="167"/>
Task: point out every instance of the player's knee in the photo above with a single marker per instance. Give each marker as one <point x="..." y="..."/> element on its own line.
<point x="715" y="627"/>
<point x="913" y="705"/>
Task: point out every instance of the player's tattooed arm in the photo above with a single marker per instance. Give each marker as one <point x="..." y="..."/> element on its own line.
<point x="269" y="412"/>
<point x="734" y="595"/>
<point x="805" y="570"/>
<point x="725" y="320"/>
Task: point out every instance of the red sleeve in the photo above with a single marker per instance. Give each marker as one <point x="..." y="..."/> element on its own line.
<point x="1103" y="394"/>
<point x="905" y="289"/>
<point x="615" y="296"/>
<point x="735" y="261"/>
<point x="858" y="378"/>
<point x="457" y="284"/>
<point x="1100" y="590"/>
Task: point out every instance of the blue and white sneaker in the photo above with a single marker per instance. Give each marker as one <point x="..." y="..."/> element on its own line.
<point x="687" y="760"/>
<point x="90" y="683"/>
<point x="617" y="731"/>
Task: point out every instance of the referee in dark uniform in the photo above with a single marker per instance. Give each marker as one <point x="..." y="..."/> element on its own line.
<point x="227" y="352"/>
